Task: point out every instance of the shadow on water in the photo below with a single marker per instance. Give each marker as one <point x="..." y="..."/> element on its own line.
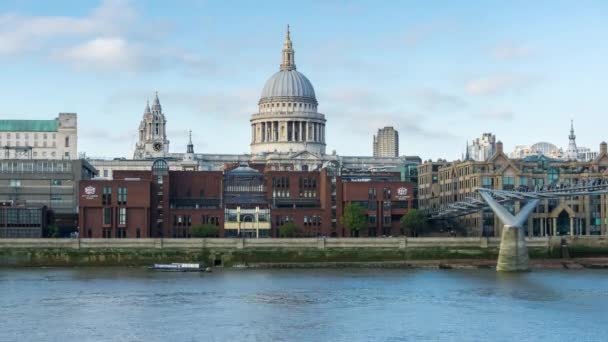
<point x="517" y="285"/>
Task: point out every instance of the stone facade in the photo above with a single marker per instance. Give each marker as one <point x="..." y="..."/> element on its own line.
<point x="287" y="120"/>
<point x="152" y="142"/>
<point x="442" y="183"/>
<point x="40" y="139"/>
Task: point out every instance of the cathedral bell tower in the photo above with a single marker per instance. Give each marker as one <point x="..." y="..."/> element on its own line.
<point x="152" y="142"/>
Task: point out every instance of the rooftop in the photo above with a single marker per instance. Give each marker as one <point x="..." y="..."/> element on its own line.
<point x="28" y="125"/>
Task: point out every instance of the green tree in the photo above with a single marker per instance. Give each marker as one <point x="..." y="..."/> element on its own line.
<point x="204" y="231"/>
<point x="51" y="231"/>
<point x="354" y="218"/>
<point x="415" y="221"/>
<point x="289" y="230"/>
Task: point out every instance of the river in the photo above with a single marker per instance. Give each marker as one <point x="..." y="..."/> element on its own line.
<point x="121" y="304"/>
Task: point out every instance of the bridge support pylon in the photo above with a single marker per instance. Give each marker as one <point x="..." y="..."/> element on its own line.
<point x="513" y="252"/>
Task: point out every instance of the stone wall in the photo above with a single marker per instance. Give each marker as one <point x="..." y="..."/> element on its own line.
<point x="229" y="252"/>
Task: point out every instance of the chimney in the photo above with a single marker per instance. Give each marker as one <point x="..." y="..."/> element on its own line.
<point x="603" y="148"/>
<point x="499" y="147"/>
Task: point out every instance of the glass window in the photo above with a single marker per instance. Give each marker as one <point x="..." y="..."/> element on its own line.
<point x="122" y="216"/>
<point x="372" y="219"/>
<point x="107" y="216"/>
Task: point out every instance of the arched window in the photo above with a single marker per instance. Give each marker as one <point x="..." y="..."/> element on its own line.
<point x="160" y="167"/>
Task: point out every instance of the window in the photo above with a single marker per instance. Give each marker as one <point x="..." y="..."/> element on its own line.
<point x="107" y="216"/>
<point x="508" y="182"/>
<point x="386" y="192"/>
<point x="137" y="232"/>
<point x="107" y="233"/>
<point x="106" y="197"/>
<point x="121" y="233"/>
<point x="56" y="182"/>
<point x="386" y="220"/>
<point x="15" y="183"/>
<point x="122" y="216"/>
<point x="67" y="141"/>
<point x="105" y="173"/>
<point x="122" y="195"/>
<point x="371" y="193"/>
<point x="372" y="220"/>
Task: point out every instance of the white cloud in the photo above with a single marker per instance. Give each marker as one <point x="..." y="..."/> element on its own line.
<point x="512" y="51"/>
<point x="104" y="53"/>
<point x="20" y="33"/>
<point x="498" y="84"/>
<point x="109" y="37"/>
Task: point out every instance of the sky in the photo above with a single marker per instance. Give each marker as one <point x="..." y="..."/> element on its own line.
<point x="441" y="72"/>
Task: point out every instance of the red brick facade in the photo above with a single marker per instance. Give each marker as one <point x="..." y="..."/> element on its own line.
<point x="169" y="205"/>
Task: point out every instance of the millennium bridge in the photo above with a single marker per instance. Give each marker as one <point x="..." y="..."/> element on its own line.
<point x="513" y="252"/>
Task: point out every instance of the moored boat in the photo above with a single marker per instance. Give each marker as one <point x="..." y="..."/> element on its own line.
<point x="178" y="266"/>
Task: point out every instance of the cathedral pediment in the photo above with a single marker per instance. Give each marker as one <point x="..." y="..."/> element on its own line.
<point x="305" y="155"/>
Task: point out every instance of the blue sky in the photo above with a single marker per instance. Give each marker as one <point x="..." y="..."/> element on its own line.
<point x="441" y="72"/>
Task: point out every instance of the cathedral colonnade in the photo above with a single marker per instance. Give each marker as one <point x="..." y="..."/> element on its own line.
<point x="288" y="131"/>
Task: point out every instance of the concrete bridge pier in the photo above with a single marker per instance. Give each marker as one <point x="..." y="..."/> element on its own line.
<point x="513" y="252"/>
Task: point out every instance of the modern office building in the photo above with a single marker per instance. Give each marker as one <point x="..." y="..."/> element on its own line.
<point x="443" y="183"/>
<point x="49" y="183"/>
<point x="386" y="143"/>
<point x="21" y="221"/>
<point x="40" y="139"/>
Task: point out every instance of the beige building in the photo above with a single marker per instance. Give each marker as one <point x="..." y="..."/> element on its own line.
<point x="443" y="183"/>
<point x="40" y="139"/>
<point x="386" y="142"/>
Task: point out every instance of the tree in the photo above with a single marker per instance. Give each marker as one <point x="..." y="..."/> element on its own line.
<point x="415" y="221"/>
<point x="204" y="231"/>
<point x="354" y="218"/>
<point x="51" y="231"/>
<point x="289" y="230"/>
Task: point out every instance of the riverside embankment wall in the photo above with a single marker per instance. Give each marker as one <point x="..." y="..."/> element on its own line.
<point x="229" y="252"/>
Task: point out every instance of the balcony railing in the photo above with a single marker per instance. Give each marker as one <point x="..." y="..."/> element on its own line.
<point x="246" y="225"/>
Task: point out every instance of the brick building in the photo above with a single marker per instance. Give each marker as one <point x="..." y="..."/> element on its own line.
<point x="245" y="200"/>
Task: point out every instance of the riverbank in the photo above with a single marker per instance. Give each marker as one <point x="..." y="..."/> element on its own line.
<point x="573" y="263"/>
<point x="322" y="252"/>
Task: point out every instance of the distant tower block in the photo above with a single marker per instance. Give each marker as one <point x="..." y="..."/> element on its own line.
<point x="386" y="142"/>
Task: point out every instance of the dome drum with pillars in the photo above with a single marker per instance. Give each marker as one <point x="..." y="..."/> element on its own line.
<point x="288" y="120"/>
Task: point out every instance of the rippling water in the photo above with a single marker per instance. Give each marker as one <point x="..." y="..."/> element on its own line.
<point x="112" y="304"/>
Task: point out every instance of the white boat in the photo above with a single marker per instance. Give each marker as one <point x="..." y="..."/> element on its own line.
<point x="178" y="266"/>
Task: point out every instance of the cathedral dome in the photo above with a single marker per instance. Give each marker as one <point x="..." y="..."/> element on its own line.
<point x="288" y="83"/>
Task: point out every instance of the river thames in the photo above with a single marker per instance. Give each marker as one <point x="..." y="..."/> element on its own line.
<point x="120" y="304"/>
